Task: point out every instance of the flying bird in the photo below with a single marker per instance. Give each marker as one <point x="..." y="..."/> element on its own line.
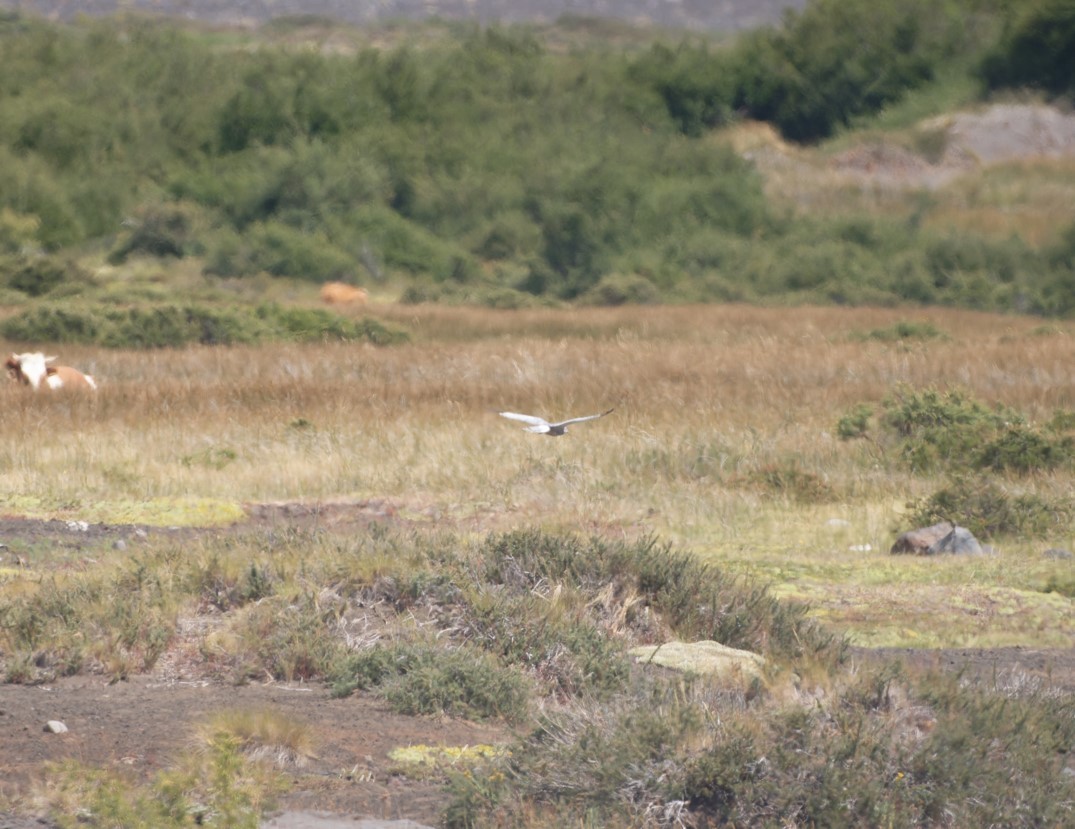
<point x="541" y="426"/>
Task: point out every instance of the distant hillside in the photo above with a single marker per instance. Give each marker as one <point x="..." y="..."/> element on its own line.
<point x="730" y="15"/>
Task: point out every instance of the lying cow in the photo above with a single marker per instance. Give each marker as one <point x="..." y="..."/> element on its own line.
<point x="32" y="368"/>
<point x="340" y="293"/>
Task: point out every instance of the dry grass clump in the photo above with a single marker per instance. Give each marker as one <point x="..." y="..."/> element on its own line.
<point x="877" y="749"/>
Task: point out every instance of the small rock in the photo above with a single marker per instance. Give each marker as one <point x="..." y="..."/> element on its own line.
<point x="1057" y="552"/>
<point x="119" y="544"/>
<point x="837" y="523"/>
<point x="860" y="548"/>
<point x="78" y="526"/>
<point x="55" y="727"/>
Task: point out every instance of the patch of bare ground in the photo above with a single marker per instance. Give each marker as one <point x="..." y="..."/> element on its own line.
<point x="967" y="141"/>
<point x="138" y="726"/>
<point x="1010" y="670"/>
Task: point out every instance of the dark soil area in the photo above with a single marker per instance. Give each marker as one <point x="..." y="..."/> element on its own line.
<point x="138" y="727"/>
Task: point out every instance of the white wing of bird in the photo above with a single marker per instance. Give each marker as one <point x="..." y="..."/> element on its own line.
<point x="541" y="426"/>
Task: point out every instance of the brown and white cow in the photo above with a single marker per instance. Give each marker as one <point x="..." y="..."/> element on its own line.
<point x="33" y="369"/>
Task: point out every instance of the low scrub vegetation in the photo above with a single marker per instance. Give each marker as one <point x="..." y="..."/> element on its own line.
<point x="931" y="429"/>
<point x="172" y="326"/>
<point x="613" y="594"/>
<point x="476" y="630"/>
<point x="880" y="750"/>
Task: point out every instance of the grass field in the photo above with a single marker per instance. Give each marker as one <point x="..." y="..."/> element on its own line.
<point x="724" y="441"/>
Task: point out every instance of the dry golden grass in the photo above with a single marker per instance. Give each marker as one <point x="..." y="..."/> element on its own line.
<point x="704" y="397"/>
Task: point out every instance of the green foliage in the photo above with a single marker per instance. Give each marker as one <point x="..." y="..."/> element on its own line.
<point x="429" y="680"/>
<point x="904" y="330"/>
<point x="696" y="601"/>
<point x="290" y="638"/>
<point x="157" y="230"/>
<point x="131" y="626"/>
<point x="1021" y="449"/>
<point x="691" y="82"/>
<point x="988" y="509"/>
<point x="931" y="429"/>
<point x="43" y="275"/>
<point x="569" y="652"/>
<point x="854" y="424"/>
<point x="1036" y="50"/>
<point x="838" y="59"/>
<point x="177" y="325"/>
<point x="852" y="760"/>
<point x="585" y="173"/>
<point x="622" y="289"/>
<point x="1060" y="585"/>
<point x="217" y="785"/>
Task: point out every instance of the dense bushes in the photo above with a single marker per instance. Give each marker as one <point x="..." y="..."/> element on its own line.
<point x="1037" y="50"/>
<point x="838" y="59"/>
<point x="485" y="159"/>
<point x="176" y="325"/>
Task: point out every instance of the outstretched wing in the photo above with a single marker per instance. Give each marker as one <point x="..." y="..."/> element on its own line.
<point x="580" y="419"/>
<point x="537" y="424"/>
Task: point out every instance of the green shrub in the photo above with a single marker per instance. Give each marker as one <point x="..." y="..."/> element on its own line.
<point x="1037" y="50"/>
<point x="622" y="289"/>
<point x="55" y="324"/>
<point x="157" y="230"/>
<point x="930" y="429"/>
<point x="695" y="601"/>
<point x="692" y="84"/>
<point x="427" y="680"/>
<point x="1060" y="585"/>
<point x="988" y="509"/>
<point x="854" y="424"/>
<point x="904" y="330"/>
<point x="177" y="325"/>
<point x="278" y="250"/>
<point x="41" y="275"/>
<point x="569" y="653"/>
<point x="818" y="71"/>
<point x="1019" y="448"/>
<point x="934" y="428"/>
<point x="854" y="759"/>
<point x="291" y="638"/>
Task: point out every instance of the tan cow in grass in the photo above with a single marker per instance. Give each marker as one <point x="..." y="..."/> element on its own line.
<point x="340" y="293"/>
<point x="33" y="369"/>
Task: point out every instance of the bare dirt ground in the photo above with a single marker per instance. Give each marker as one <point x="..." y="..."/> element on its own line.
<point x="137" y="726"/>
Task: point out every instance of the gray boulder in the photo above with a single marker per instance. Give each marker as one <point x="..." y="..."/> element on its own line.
<point x="944" y="537"/>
